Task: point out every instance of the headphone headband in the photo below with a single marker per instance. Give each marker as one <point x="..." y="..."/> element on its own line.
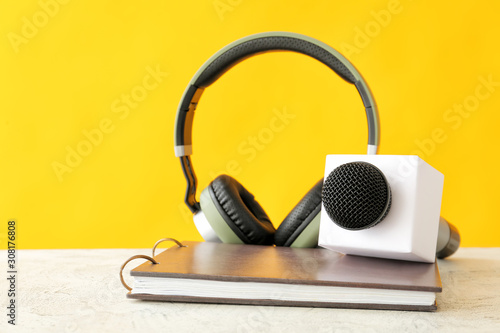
<point x="247" y="47"/>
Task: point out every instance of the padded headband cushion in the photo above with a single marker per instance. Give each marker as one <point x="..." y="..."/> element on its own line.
<point x="243" y="214"/>
<point x="254" y="46"/>
<point x="300" y="216"/>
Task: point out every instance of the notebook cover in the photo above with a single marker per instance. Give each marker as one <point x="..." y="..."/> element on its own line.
<point x="256" y="263"/>
<point x="209" y="300"/>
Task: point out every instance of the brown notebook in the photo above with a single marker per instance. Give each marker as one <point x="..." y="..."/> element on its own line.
<point x="266" y="275"/>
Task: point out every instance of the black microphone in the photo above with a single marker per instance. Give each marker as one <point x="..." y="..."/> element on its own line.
<point x="448" y="240"/>
<point x="357" y="196"/>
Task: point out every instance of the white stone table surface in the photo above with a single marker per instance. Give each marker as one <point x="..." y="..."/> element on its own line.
<point x="80" y="291"/>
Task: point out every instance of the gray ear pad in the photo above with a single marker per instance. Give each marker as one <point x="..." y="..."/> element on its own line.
<point x="243" y="214"/>
<point x="299" y="217"/>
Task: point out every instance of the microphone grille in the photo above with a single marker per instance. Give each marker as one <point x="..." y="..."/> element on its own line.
<point x="356" y="195"/>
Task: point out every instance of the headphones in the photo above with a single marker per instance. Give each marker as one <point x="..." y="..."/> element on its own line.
<point x="227" y="211"/>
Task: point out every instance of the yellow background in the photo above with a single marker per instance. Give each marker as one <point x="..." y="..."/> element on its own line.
<point x="68" y="75"/>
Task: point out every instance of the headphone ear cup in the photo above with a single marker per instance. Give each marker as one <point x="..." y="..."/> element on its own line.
<point x="240" y="211"/>
<point x="300" y="228"/>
